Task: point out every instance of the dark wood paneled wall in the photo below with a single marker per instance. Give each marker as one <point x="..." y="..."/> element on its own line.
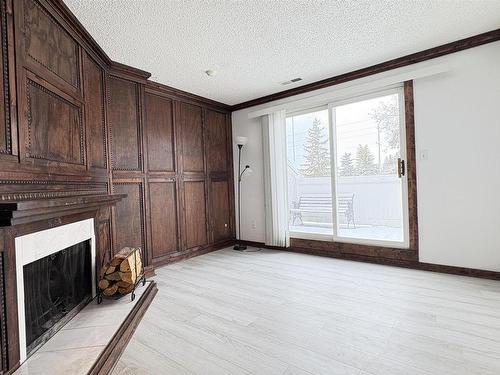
<point x="73" y="122"/>
<point x="76" y="122"/>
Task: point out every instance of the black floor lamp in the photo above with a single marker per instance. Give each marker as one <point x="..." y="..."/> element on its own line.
<point x="240" y="142"/>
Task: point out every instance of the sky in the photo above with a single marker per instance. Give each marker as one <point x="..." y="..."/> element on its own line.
<point x="353" y="124"/>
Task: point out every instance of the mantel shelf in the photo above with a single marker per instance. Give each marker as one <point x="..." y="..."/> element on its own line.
<point x="30" y="210"/>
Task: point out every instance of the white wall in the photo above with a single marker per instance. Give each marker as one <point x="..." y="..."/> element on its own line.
<point x="457" y="115"/>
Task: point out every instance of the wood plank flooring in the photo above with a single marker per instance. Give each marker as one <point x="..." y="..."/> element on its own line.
<point x="281" y="313"/>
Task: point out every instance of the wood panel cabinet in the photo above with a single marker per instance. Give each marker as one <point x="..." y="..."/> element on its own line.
<point x="218" y="150"/>
<point x="190" y="125"/>
<point x="55" y="129"/>
<point x="95" y="113"/>
<point x="217" y="141"/>
<point x="163" y="219"/>
<point x="128" y="215"/>
<point x="123" y="118"/>
<point x="194" y="213"/>
<point x="220" y="208"/>
<point x="159" y="130"/>
<point x="49" y="50"/>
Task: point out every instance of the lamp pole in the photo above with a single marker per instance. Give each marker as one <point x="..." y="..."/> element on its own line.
<point x="239" y="246"/>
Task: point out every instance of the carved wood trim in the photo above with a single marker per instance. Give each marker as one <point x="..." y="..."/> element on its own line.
<point x="67" y="189"/>
<point x="5" y="81"/>
<point x="3" y="317"/>
<point x="44" y="195"/>
<point x="187" y="97"/>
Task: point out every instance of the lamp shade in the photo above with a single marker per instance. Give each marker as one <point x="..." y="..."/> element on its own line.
<point x="241" y="141"/>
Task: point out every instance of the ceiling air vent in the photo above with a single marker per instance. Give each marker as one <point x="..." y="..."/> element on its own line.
<point x="291" y="81"/>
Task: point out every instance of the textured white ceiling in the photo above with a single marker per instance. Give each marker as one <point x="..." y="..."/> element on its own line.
<point x="256" y="44"/>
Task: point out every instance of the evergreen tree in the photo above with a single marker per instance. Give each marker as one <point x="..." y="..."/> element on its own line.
<point x="390" y="165"/>
<point x="317" y="163"/>
<point x="365" y="161"/>
<point x="347" y="165"/>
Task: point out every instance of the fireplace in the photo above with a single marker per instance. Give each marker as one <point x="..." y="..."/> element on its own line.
<point x="55" y="271"/>
<point x="56" y="287"/>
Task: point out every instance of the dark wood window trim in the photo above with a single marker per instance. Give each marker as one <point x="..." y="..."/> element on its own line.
<point x="359" y="251"/>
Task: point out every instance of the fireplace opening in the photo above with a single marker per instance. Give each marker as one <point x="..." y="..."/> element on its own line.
<point x="56" y="287"/>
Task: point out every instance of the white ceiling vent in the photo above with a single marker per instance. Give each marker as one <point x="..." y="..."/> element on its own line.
<point x="291" y="81"/>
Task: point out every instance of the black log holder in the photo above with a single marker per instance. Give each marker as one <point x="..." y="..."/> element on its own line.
<point x="140" y="279"/>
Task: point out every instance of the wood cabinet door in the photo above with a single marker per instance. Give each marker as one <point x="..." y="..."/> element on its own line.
<point x="46" y="47"/>
<point x="220" y="210"/>
<point x="128" y="216"/>
<point x="190" y="124"/>
<point x="93" y="77"/>
<point x="163" y="218"/>
<point x="217" y="141"/>
<point x="159" y="133"/>
<point x="123" y="119"/>
<point x="195" y="218"/>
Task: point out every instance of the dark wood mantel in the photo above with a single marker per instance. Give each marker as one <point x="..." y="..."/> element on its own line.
<point x="26" y="213"/>
<point x="31" y="210"/>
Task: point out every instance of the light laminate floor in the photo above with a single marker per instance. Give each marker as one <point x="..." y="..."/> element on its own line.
<point x="276" y="313"/>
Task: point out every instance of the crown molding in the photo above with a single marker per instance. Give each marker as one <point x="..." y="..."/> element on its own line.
<point x="428" y="54"/>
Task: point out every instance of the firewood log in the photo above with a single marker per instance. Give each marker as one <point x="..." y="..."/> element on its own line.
<point x="127" y="264"/>
<point x="115" y="276"/>
<point x="111" y="290"/>
<point x="126" y="290"/>
<point x="121" y="255"/>
<point x="129" y="277"/>
<point x="103" y="271"/>
<point x="132" y="261"/>
<point x="103" y="284"/>
<point x="109" y="270"/>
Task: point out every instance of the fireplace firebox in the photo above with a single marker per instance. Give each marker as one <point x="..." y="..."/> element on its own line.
<point x="56" y="287"/>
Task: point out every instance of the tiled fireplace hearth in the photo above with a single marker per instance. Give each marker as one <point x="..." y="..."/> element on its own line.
<point x="51" y="250"/>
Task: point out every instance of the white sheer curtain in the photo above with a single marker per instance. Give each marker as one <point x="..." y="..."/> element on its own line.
<point x="275" y="179"/>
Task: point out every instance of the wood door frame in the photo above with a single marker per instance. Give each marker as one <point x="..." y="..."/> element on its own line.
<point x="339" y="249"/>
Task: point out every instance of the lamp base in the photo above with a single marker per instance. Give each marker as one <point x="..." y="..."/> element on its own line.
<point x="240" y="247"/>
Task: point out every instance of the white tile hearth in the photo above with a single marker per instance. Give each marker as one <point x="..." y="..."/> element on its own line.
<point x="75" y="348"/>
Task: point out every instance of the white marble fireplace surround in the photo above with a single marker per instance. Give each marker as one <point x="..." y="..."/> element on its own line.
<point x="34" y="246"/>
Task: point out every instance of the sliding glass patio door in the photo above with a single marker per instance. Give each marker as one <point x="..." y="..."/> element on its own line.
<point x="346" y="171"/>
<point x="369" y="182"/>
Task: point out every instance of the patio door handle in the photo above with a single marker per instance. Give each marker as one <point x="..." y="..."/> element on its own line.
<point x="401" y="168"/>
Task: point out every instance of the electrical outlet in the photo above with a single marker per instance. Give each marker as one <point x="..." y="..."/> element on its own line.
<point x="254" y="224"/>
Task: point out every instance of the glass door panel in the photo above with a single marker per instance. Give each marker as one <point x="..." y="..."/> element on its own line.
<point x="368" y="153"/>
<point x="309" y="173"/>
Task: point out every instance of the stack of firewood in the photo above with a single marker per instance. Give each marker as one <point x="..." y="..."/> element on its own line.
<point x="120" y="275"/>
